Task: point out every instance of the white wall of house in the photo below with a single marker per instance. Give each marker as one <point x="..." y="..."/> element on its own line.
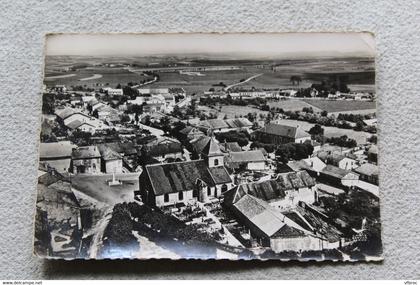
<point x="293" y="197"/>
<point x="174" y="155"/>
<point x="257" y="165"/>
<point x="61" y="165"/>
<point x="87" y="128"/>
<point x="302" y="140"/>
<point x="347" y="163"/>
<point x="91" y="165"/>
<point x="173" y="198"/>
<point x="295" y="244"/>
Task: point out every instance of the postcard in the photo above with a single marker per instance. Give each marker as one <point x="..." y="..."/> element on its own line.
<point x="209" y="146"/>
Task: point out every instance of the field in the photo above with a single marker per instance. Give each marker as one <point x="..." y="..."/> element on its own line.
<point x="360" y="137"/>
<point x="292" y="105"/>
<point x="336" y="106"/>
<point x="86" y="77"/>
<point x="275" y="74"/>
<point x="231" y="111"/>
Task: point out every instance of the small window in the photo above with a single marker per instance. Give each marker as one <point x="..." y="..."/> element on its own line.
<point x="166" y="198"/>
<point x="181" y="196"/>
<point x="216" y="162"/>
<point x="224" y="188"/>
<point x="195" y="193"/>
<point x="208" y="191"/>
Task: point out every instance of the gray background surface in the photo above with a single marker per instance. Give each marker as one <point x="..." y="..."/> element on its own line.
<point x="396" y="26"/>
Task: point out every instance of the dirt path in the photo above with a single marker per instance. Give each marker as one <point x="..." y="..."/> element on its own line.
<point x="242" y="82"/>
<point x="99" y="233"/>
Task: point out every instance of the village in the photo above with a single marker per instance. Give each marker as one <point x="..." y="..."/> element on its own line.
<point x="134" y="170"/>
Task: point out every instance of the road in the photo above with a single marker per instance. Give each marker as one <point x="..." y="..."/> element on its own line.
<point x="242" y="82"/>
<point x="99" y="233"/>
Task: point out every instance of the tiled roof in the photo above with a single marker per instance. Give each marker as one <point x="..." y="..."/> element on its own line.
<point x="199" y="144"/>
<point x="368" y="169"/>
<point x="246" y="156"/>
<point x="238" y="123"/>
<point x="274" y="188"/>
<point x="84" y="152"/>
<point x="108" y="153"/>
<point x="334" y="171"/>
<point x="56" y="149"/>
<point x="183" y="176"/>
<point x="220" y="175"/>
<point x="64" y="113"/>
<point x="127" y="148"/>
<point x="211" y="148"/>
<point x="213" y="124"/>
<point x="162" y="149"/>
<point x="284" y="131"/>
<point x="260" y="214"/>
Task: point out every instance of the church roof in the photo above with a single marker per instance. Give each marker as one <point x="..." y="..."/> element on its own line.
<point x="212" y="148"/>
<point x="183" y="176"/>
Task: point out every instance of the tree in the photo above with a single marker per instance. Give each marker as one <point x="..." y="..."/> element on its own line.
<point x="295" y="79"/>
<point x="324" y="113"/>
<point x="125" y="118"/>
<point x="316" y="130"/>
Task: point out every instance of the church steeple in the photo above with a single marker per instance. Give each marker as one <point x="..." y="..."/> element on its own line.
<point x="212" y="153"/>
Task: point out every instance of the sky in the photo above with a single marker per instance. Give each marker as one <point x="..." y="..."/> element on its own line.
<point x="237" y="46"/>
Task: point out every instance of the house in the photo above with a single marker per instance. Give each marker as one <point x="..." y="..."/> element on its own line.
<point x="86" y="159"/>
<point x="111" y="160"/>
<point x="337" y="159"/>
<point x="283" y="192"/>
<point x="316" y="163"/>
<point x="187" y="181"/>
<point x="281" y="134"/>
<point x="107" y="113"/>
<point x="113" y="91"/>
<point x="81" y="126"/>
<point x="290" y="231"/>
<point x="250" y="160"/>
<point x="162" y="150"/>
<point x="56" y="155"/>
<point x="239" y="124"/>
<point x="369" y="173"/>
<point x="336" y="176"/>
<point x="213" y="125"/>
<point x="190" y="133"/>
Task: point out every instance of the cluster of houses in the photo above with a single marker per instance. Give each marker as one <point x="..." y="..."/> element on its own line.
<point x="277" y="205"/>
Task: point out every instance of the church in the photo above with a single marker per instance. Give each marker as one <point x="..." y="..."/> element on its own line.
<point x="188" y="181"/>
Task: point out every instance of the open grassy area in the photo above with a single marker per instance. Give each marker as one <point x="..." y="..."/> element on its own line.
<point x="333" y="106"/>
<point x="360" y="137"/>
<point x="292" y="105"/>
<point x="231" y="110"/>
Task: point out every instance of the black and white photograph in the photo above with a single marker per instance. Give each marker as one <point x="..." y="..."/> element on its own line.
<point x="209" y="146"/>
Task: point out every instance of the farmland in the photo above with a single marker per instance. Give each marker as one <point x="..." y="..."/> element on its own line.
<point x="336" y="106"/>
<point x="360" y="137"/>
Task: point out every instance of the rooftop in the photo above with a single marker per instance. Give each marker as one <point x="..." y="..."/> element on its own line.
<point x="245" y="156"/>
<point x="272" y="189"/>
<point x="284" y="131"/>
<point x="183" y="176"/>
<point x="368" y="169"/>
<point x="56" y="149"/>
<point x="84" y="152"/>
